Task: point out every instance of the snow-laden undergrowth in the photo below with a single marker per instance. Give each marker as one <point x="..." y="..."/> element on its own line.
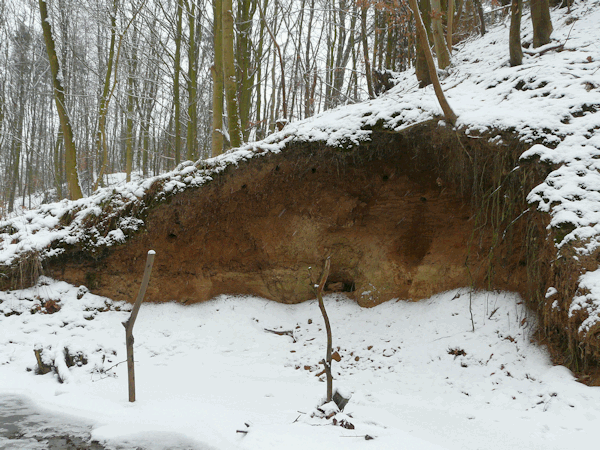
<point x="551" y="101"/>
<point x="423" y="376"/>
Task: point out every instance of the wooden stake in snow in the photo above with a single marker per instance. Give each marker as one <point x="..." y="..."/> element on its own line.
<point x="328" y="353"/>
<point x="131" y="321"/>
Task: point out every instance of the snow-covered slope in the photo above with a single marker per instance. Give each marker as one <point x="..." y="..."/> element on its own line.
<point x="419" y="376"/>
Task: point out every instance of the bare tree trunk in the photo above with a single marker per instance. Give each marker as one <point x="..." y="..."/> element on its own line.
<point x="101" y="143"/>
<point x="176" y="93"/>
<point x="260" y="128"/>
<point x="246" y="10"/>
<point x="59" y="97"/>
<point x="353" y="82"/>
<point x="145" y="147"/>
<point x="233" y="111"/>
<point x="192" y="129"/>
<point x="542" y="23"/>
<point x="376" y="37"/>
<point x="17" y="146"/>
<point x="217" y="75"/>
<point x="514" y="39"/>
<point x="450" y="25"/>
<point x="422" y="35"/>
<point x="281" y="63"/>
<point x="309" y="91"/>
<point x="29" y="182"/>
<point x="344" y="47"/>
<point x="421" y="69"/>
<point x="481" y="17"/>
<point x="130" y="135"/>
<point x="272" y="111"/>
<point x="389" y="43"/>
<point x="58" y="179"/>
<point x="441" y="49"/>
<point x="331" y="40"/>
<point x="363" y="35"/>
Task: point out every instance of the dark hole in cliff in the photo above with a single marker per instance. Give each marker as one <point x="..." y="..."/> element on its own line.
<point x="339" y="283"/>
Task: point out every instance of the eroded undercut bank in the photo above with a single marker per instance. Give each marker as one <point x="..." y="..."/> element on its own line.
<point x="405" y="215"/>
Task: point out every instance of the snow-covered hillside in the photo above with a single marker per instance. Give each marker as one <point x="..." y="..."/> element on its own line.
<point x="420" y="377"/>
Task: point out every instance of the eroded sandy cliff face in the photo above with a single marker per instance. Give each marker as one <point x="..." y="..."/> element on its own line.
<point x="396" y="221"/>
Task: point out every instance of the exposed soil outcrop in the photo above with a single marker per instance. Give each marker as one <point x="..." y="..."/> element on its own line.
<point x="395" y="215"/>
<point x="404" y="215"/>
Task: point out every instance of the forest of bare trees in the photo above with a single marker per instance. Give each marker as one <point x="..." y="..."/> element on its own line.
<point x="138" y="80"/>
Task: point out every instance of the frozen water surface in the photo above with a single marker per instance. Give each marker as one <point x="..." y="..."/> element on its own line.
<point x="22" y="426"/>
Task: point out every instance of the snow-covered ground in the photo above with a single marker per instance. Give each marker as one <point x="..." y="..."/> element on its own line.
<point x="420" y="378"/>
